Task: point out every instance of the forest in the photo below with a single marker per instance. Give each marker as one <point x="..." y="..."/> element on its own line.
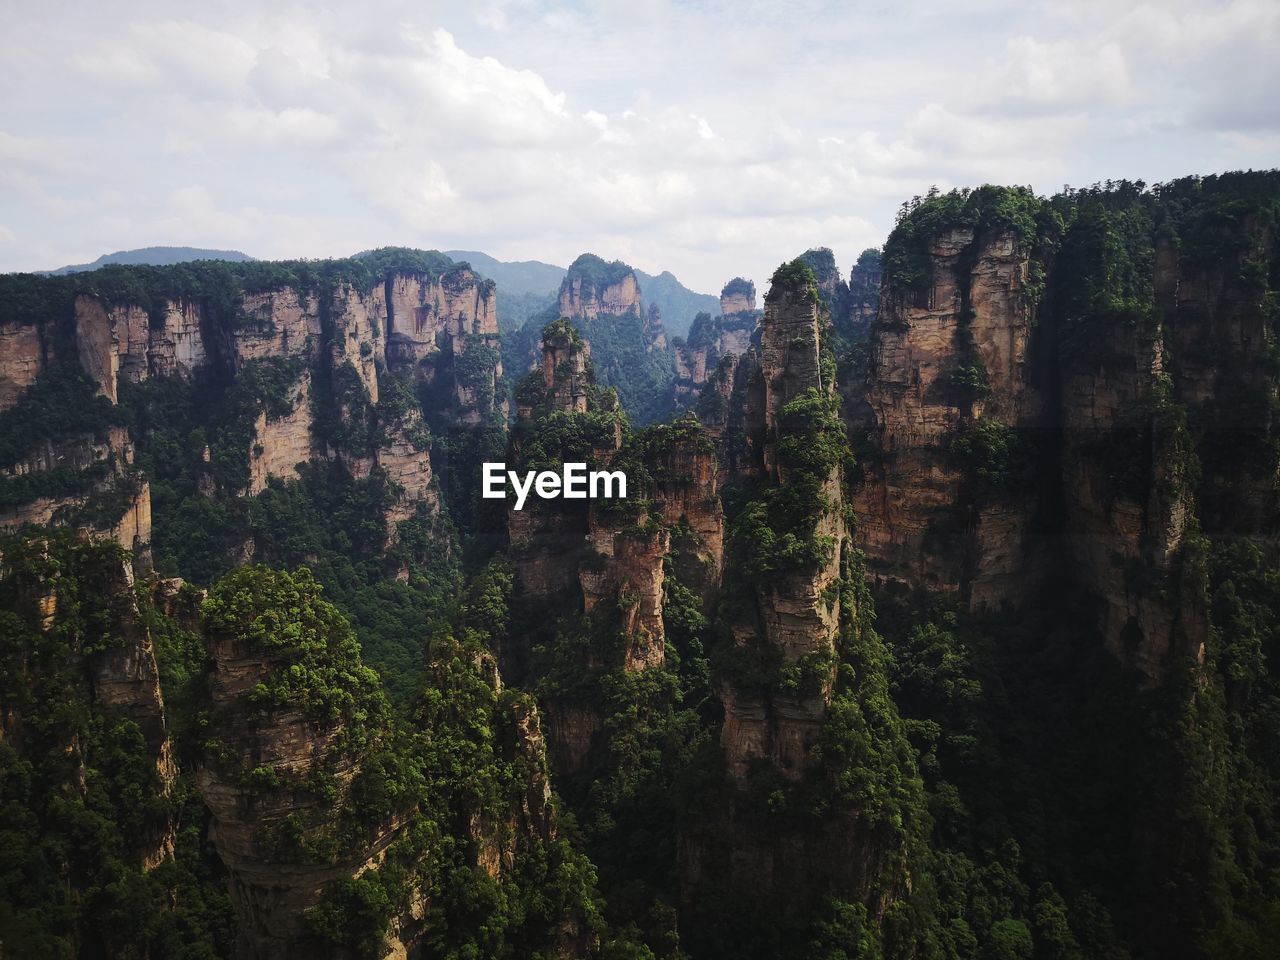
<point x="318" y="714"/>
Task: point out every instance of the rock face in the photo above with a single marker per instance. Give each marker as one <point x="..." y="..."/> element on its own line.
<point x="281" y="444"/>
<point x="593" y="288"/>
<point x="1024" y="423"/>
<point x="1111" y="531"/>
<point x="946" y="362"/>
<point x="22" y="357"/>
<point x="789" y="623"/>
<point x="176" y="347"/>
<point x="283" y="323"/>
<point x="546" y="540"/>
<point x="737" y="296"/>
<point x="126" y="681"/>
<point x="607" y="559"/>
<point x="445" y="332"/>
<point x="564" y="371"/>
<point x="113" y="500"/>
<point x="1209" y="302"/>
<point x="711" y="340"/>
<point x="687" y="494"/>
<point x="623" y="567"/>
<point x="323" y="353"/>
<point x="287" y="746"/>
<point x="793" y="615"/>
<point x="654" y="335"/>
<point x="864" y="293"/>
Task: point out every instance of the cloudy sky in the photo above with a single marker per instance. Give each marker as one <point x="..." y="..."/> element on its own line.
<point x="708" y="138"/>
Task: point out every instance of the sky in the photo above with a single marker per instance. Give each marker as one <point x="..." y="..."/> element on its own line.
<point x="712" y="139"/>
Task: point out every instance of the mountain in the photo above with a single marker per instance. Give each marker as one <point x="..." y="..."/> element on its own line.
<point x="154" y="256"/>
<point x="944" y="621"/>
<point x="514" y="277"/>
<point x="524" y="284"/>
<point x="676" y="302"/>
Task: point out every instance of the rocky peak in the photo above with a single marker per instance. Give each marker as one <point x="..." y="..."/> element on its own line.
<point x="594" y="287"/>
<point x="737" y="296"/>
<point x="654" y="334"/>
<point x="790" y="617"/>
<point x="789" y="354"/>
<point x="826" y="274"/>
<point x="280" y="776"/>
<point x="864" y="291"/>
<point x="564" y="367"/>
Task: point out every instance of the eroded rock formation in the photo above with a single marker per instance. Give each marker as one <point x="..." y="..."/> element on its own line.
<point x="947" y="362"/>
<point x="593" y="288"/>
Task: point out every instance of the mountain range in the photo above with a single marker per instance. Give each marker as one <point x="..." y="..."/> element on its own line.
<point x="941" y="620"/>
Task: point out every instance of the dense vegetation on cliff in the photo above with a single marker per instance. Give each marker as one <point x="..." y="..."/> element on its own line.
<point x="728" y="716"/>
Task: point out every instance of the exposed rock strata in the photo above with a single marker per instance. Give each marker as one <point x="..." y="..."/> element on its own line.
<point x="793" y="615"/>
<point x="586" y="296"/>
<point x="917" y="520"/>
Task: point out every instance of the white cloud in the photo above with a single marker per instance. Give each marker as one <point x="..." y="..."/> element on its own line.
<point x="711" y="139"/>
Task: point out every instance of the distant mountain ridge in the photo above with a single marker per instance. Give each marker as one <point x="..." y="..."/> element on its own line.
<point x="528" y="285"/>
<point x="514" y="277"/>
<point x="679" y="304"/>
<point x="153" y="256"/>
<point x="525" y="287"/>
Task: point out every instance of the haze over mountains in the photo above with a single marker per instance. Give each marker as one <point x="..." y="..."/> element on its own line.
<point x="153" y="256"/>
<point x="525" y="287"/>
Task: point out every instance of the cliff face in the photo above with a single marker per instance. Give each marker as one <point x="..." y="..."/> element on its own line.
<point x="1221" y="340"/>
<point x="445" y="332"/>
<point x="269" y="818"/>
<point x="790" y="611"/>
<point x="280" y="444"/>
<point x="687" y="494"/>
<point x="1050" y="396"/>
<point x="126" y="682"/>
<point x="864" y="293"/>
<point x="312" y="785"/>
<point x="111" y="499"/>
<point x="792" y="614"/>
<point x="304" y="362"/>
<point x="593" y="288"/>
<point x="946" y="362"/>
<point x="22" y="356"/>
<point x="601" y="567"/>
<point x="737" y="296"/>
<point x="711" y="340"/>
<point x="547" y="536"/>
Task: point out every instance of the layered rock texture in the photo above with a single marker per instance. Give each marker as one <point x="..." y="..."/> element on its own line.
<point x="791" y="614"/>
<point x="950" y="363"/>
<point x="607" y="559"/>
<point x="711" y="341"/>
<point x="1043" y="402"/>
<point x="303" y="357"/>
<point x="1041" y="433"/>
<point x="593" y="288"/>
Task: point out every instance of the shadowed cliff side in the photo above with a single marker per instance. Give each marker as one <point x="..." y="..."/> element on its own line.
<point x="791" y="831"/>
